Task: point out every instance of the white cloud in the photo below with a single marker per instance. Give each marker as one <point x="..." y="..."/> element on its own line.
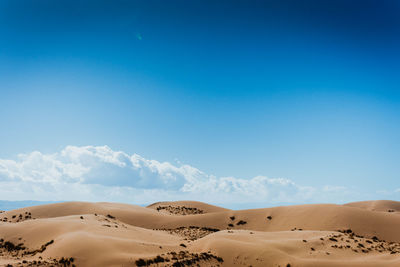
<point x="97" y="173"/>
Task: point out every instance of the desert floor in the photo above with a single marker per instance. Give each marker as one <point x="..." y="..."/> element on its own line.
<point x="189" y="233"/>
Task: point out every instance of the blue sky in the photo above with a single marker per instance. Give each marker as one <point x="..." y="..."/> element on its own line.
<point x="306" y="91"/>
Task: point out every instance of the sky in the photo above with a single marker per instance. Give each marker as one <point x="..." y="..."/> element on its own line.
<point x="237" y="103"/>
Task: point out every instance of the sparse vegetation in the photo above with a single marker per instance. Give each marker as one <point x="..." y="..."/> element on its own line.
<point x="66" y="261"/>
<point x="180" y="210"/>
<point x="141" y="262"/>
<point x="241" y="222"/>
<point x="19" y="251"/>
<point x="182" y="258"/>
<point x="9" y="246"/>
<point x="191" y="232"/>
<point x="110" y="216"/>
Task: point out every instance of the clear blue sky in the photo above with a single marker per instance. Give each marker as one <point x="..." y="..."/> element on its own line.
<point x="306" y="90"/>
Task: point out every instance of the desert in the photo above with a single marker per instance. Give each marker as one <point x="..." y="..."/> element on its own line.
<point x="190" y="233"/>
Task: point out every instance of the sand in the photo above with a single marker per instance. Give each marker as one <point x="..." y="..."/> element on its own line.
<point x="189" y="233"/>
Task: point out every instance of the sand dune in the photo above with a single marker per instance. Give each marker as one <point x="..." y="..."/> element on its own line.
<point x="187" y="233"/>
<point x="377" y="205"/>
<point x="185" y="207"/>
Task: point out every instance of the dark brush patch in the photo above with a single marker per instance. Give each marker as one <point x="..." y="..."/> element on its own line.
<point x="180" y="210"/>
<point x="110" y="216"/>
<point x="191" y="232"/>
<point x="358" y="243"/>
<point x="179" y="259"/>
<point x="241" y="222"/>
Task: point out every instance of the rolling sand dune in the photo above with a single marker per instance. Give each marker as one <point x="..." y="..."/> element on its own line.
<point x="189" y="233"/>
<point x="377" y="205"/>
<point x="185" y="207"/>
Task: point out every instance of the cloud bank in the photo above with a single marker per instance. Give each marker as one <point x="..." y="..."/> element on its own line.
<point x="98" y="173"/>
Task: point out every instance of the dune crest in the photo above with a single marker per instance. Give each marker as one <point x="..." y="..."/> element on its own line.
<point x="377" y="205"/>
<point x="185" y="207"/>
<point x="190" y="233"/>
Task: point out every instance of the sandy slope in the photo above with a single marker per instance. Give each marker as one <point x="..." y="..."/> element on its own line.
<point x="191" y="233"/>
<point x="377" y="205"/>
<point x="185" y="207"/>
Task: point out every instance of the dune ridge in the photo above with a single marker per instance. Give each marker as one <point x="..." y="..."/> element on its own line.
<point x="190" y="233"/>
<point x="377" y="205"/>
